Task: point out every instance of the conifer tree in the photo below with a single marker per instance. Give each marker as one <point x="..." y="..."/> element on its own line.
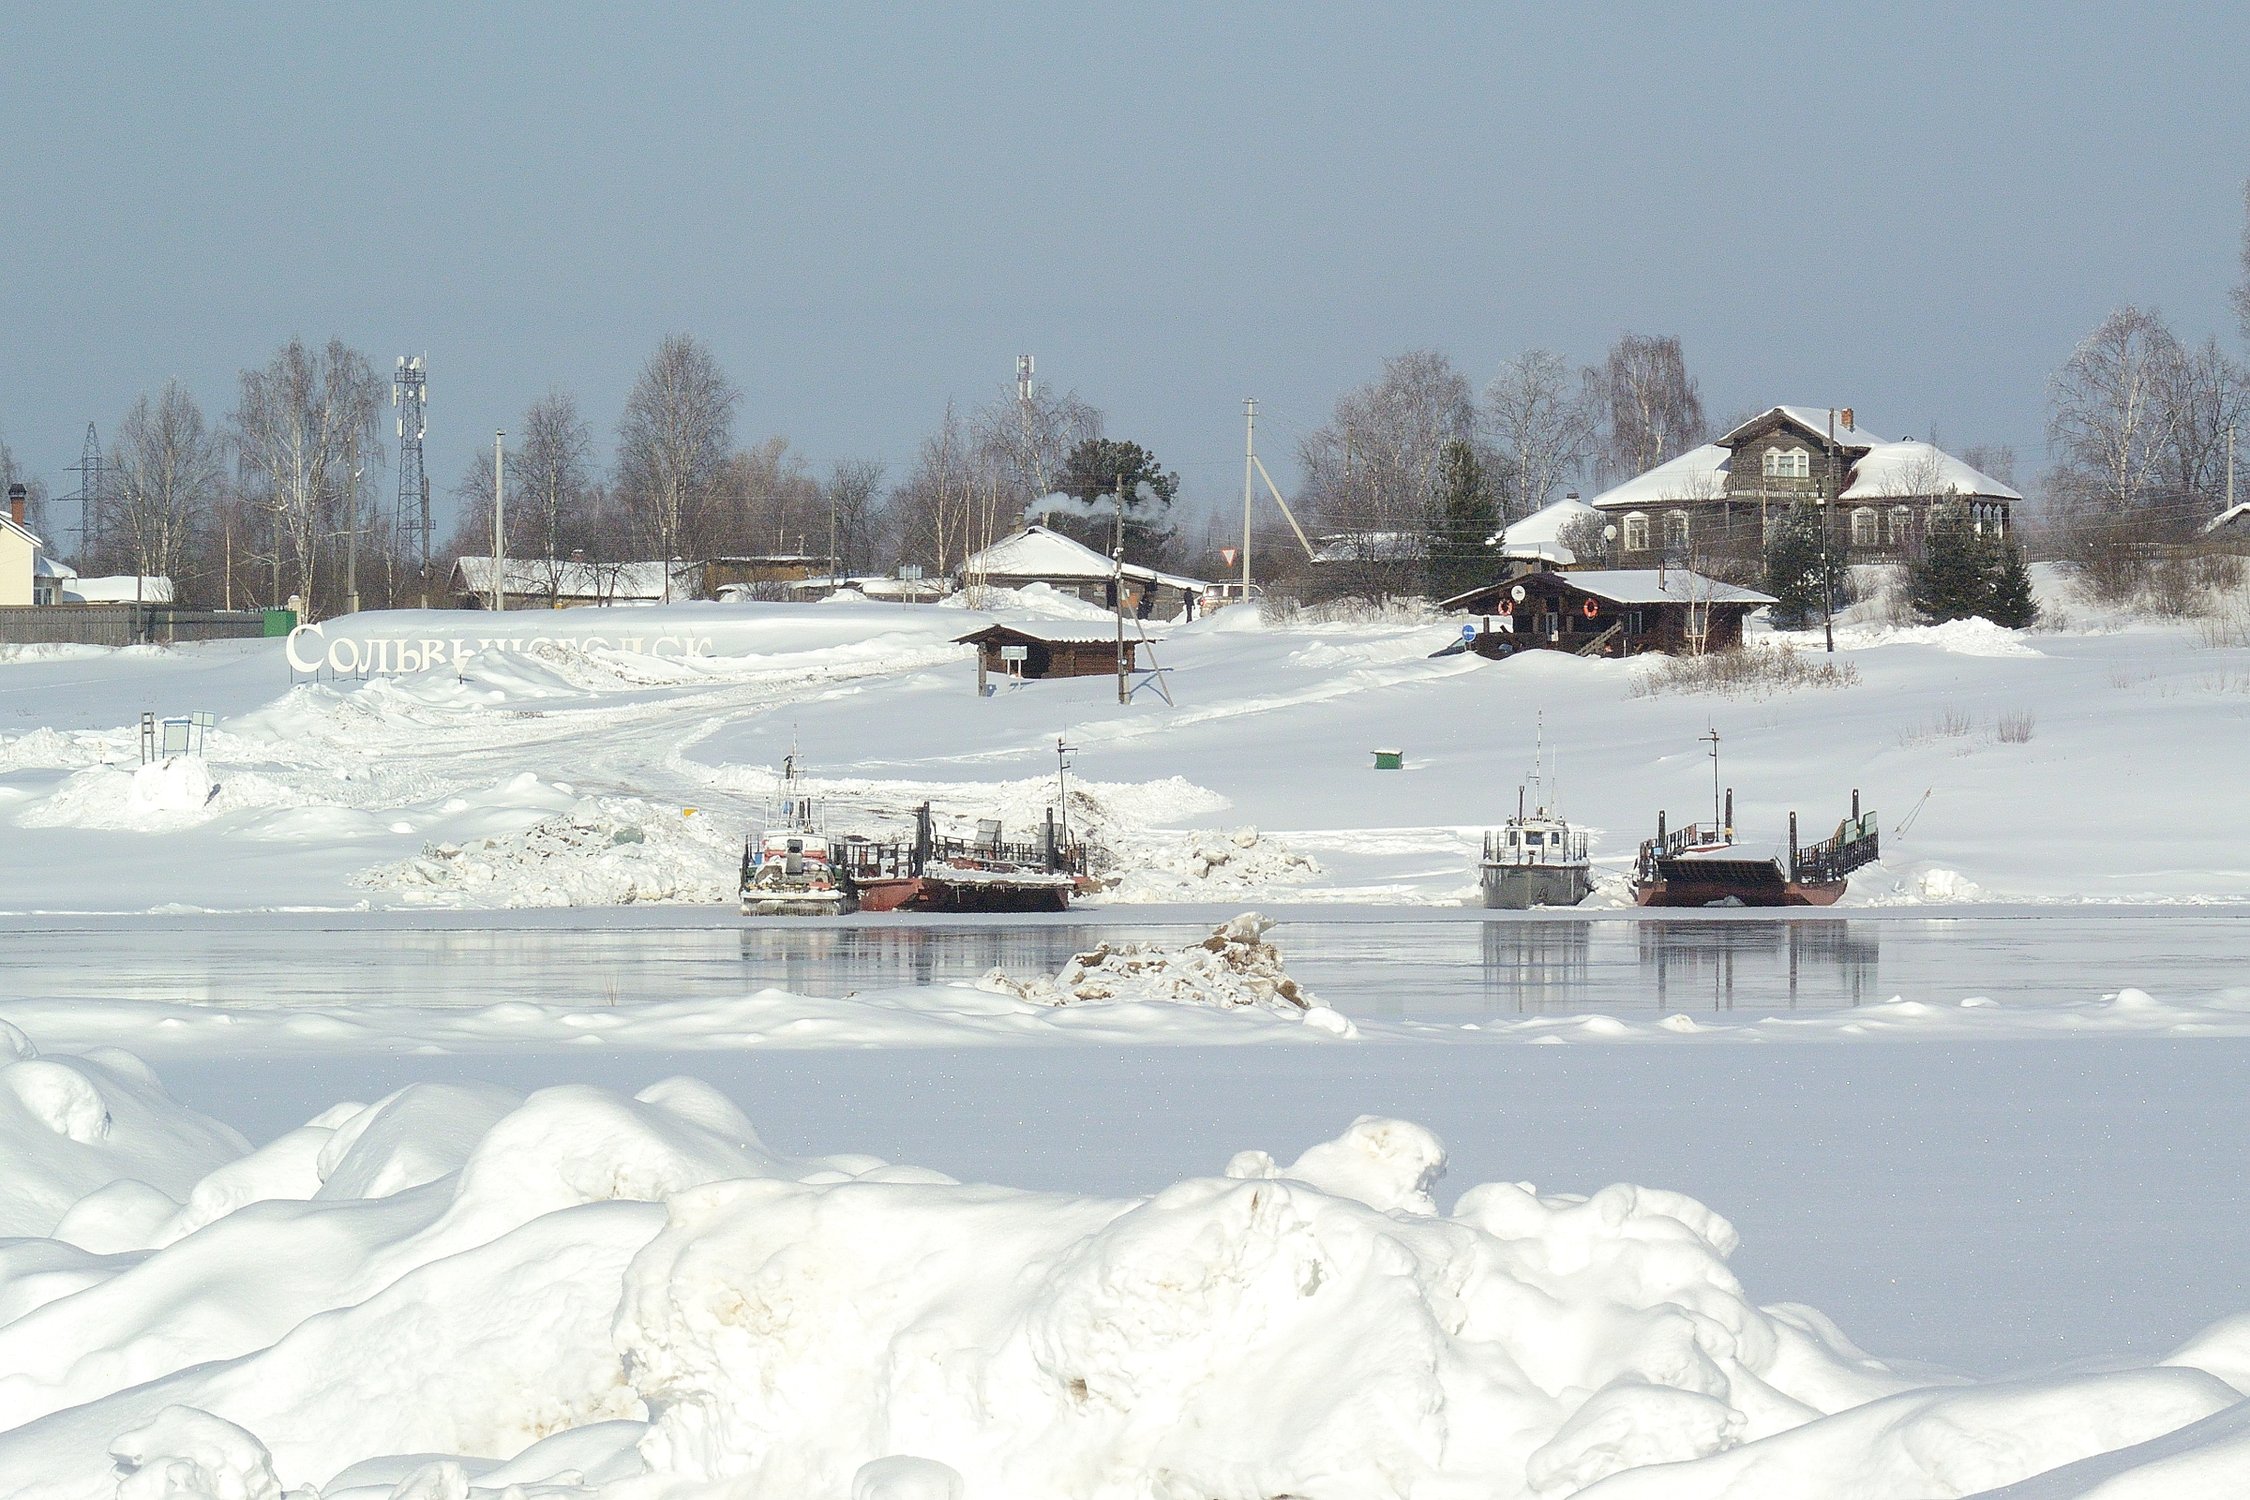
<point x="2011" y="603"/>
<point x="1952" y="579"/>
<point x="1465" y="516"/>
<point x="1800" y="570"/>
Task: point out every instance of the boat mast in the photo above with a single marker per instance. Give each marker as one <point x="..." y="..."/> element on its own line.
<point x="1718" y="823"/>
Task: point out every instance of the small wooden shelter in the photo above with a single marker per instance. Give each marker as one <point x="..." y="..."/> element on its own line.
<point x="1609" y="612"/>
<point x="1053" y="648"/>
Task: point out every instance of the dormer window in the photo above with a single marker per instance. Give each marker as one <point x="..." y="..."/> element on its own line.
<point x="1788" y="463"/>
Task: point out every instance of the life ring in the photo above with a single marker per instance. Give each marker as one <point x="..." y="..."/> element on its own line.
<point x="1507" y="606"/>
<point x="1590" y="609"/>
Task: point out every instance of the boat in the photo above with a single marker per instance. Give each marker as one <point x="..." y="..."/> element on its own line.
<point x="789" y="872"/>
<point x="982" y="874"/>
<point x="790" y="869"/>
<point x="1703" y="865"/>
<point x="1536" y="858"/>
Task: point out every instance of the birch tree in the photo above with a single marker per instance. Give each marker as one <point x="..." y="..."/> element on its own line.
<point x="1651" y="407"/>
<point x="304" y="425"/>
<point x="169" y="470"/>
<point x="1543" y="416"/>
<point x="2111" y="418"/>
<point x="674" y="442"/>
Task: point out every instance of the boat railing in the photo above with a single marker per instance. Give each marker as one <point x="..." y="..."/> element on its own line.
<point x="1555" y="849"/>
<point x="1676" y="842"/>
<point x="1856" y="842"/>
<point x="866" y="859"/>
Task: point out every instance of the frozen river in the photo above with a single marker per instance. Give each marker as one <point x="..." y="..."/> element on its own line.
<point x="1430" y="965"/>
<point x="1988" y="1205"/>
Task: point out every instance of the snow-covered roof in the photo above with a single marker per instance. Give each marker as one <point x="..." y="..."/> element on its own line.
<point x="44" y="566"/>
<point x="1814" y="419"/>
<point x="1056" y="632"/>
<point x="576" y="580"/>
<point x="1540" y="533"/>
<point x="1916" y="468"/>
<point x="1698" y="474"/>
<point x="1372" y="546"/>
<point x="118" y="589"/>
<point x="7" y="523"/>
<point x="1036" y="552"/>
<point x="1659" y="586"/>
<point x="2227" y="517"/>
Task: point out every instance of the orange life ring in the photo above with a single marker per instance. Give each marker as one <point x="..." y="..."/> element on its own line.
<point x="1507" y="606"/>
<point x="1590" y="609"/>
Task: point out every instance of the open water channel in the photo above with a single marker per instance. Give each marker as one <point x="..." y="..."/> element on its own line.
<point x="1435" y="965"/>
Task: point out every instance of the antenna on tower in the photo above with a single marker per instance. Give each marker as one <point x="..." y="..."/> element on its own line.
<point x="1023" y="377"/>
<point x="410" y="394"/>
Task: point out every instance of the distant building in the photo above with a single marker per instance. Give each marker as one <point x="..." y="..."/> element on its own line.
<point x="1722" y="499"/>
<point x="760" y="575"/>
<point x="1037" y="555"/>
<point x="572" y="583"/>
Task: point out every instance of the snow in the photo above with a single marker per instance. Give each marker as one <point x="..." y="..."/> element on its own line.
<point x="1915" y="468"/>
<point x="1698" y="474"/>
<point x="1816" y="419"/>
<point x="1540" y="533"/>
<point x="119" y="589"/>
<point x="1038" y="552"/>
<point x="597" y="1292"/>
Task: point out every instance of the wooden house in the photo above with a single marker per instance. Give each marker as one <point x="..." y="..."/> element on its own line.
<point x="1724" y="498"/>
<point x="1053" y="648"/>
<point x="1038" y="555"/>
<point x="1609" y="612"/>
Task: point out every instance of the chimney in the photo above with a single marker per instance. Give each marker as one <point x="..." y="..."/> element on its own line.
<point x="16" y="495"/>
<point x="578" y="554"/>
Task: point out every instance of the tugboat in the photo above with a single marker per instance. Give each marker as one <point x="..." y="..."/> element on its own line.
<point x="1699" y="866"/>
<point x="790" y="870"/>
<point x="1536" y="858"/>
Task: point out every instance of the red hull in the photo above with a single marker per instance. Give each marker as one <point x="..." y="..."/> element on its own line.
<point x="925" y="893"/>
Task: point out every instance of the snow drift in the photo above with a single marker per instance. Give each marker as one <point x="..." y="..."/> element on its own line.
<point x="457" y="1289"/>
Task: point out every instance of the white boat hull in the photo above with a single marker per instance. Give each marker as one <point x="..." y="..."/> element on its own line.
<point x="1522" y="887"/>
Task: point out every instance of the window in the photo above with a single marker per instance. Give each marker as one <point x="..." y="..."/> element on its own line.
<point x="1675" y="528"/>
<point x="1636" y="532"/>
<point x="1863" y="527"/>
<point x="1901" y="523"/>
<point x="1788" y="463"/>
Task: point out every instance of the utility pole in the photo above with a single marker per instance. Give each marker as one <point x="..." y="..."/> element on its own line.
<point x="1062" y="787"/>
<point x="2230" y="469"/>
<point x="1117" y="594"/>
<point x="351" y="542"/>
<point x="499" y="525"/>
<point x="1249" y="468"/>
<point x="1827" y="565"/>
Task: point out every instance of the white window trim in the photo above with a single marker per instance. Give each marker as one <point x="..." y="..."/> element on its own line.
<point x="1867" y="528"/>
<point x="1636" y="531"/>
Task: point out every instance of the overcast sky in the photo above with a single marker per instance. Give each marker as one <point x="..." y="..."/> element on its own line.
<point x="867" y="210"/>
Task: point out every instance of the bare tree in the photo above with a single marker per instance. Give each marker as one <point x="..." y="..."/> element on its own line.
<point x="1544" y="418"/>
<point x="1652" y="408"/>
<point x="674" y="442"/>
<point x="169" y="470"/>
<point x="1025" y="444"/>
<point x="35" y="492"/>
<point x="934" y="505"/>
<point x="1371" y="474"/>
<point x="854" y="493"/>
<point x="2208" y="396"/>
<point x="1995" y="459"/>
<point x="767" y="502"/>
<point x="305" y="422"/>
<point x="2111" y="418"/>
<point x="2241" y="293"/>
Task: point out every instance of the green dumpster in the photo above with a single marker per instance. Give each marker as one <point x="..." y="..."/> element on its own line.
<point x="1390" y="760"/>
<point x="280" y="622"/>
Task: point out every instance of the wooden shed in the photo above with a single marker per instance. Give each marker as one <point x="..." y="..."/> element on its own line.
<point x="1055" y="648"/>
<point x="1609" y="612"/>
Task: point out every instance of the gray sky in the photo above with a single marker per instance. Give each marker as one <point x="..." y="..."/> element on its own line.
<point x="866" y="210"/>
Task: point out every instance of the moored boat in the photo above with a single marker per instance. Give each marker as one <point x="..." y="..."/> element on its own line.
<point x="1704" y="865"/>
<point x="1536" y="858"/>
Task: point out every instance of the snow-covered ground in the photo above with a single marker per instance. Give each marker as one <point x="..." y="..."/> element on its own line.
<point x="553" y="759"/>
<point x="428" y="1245"/>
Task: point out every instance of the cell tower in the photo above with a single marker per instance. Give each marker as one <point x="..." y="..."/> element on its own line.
<point x="93" y="488"/>
<point x="410" y="394"/>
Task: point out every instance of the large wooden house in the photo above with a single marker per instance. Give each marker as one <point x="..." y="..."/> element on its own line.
<point x="1608" y="612"/>
<point x="1722" y="500"/>
<point x="1038" y="555"/>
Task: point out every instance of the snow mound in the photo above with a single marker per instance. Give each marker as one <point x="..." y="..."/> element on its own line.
<point x="603" y="851"/>
<point x="1233" y="968"/>
<point x="1203" y="865"/>
<point x="1971" y="637"/>
<point x="45" y="749"/>
<point x="154" y="798"/>
<point x="459" y="1290"/>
